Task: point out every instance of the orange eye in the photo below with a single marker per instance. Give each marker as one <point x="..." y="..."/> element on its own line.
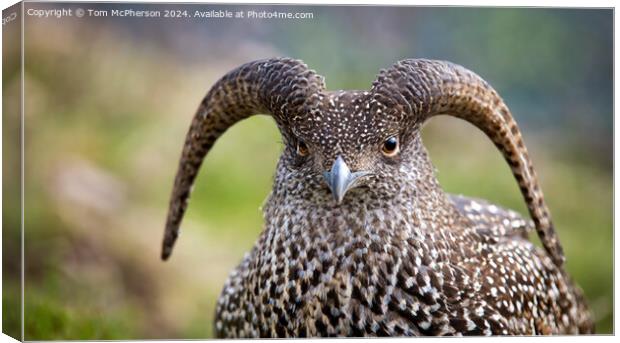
<point x="302" y="149"/>
<point x="390" y="147"/>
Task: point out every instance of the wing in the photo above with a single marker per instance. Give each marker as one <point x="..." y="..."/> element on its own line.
<point x="520" y="277"/>
<point x="498" y="221"/>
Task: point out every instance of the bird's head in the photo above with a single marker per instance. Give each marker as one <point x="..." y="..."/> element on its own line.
<point x="348" y="142"/>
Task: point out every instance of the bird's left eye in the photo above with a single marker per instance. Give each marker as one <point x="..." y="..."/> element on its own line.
<point x="302" y="149"/>
<point x="390" y="146"/>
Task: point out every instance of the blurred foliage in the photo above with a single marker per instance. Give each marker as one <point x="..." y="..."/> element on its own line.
<point x="109" y="102"/>
<point x="11" y="169"/>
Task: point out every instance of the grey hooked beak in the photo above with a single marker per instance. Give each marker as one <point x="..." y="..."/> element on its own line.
<point x="340" y="179"/>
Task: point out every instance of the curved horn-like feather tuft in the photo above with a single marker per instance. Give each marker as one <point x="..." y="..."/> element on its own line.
<point x="281" y="87"/>
<point x="419" y="89"/>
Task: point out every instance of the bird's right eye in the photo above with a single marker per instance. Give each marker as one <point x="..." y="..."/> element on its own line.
<point x="302" y="149"/>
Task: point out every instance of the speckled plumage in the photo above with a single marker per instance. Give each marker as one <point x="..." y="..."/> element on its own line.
<point x="397" y="255"/>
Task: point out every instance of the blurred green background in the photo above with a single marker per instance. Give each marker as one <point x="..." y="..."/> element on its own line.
<point x="109" y="100"/>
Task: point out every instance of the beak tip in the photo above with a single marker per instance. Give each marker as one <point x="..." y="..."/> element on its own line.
<point x="340" y="179"/>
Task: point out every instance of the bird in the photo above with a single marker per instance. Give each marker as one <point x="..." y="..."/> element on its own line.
<point x="359" y="237"/>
